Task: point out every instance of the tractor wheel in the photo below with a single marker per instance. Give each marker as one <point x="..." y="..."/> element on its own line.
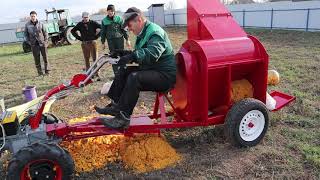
<point x="246" y="123"/>
<point x="41" y="161"/>
<point x="69" y="37"/>
<point x="26" y="47"/>
<point x="55" y="40"/>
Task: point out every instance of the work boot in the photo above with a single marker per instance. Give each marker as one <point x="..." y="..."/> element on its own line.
<point x="39" y="70"/>
<point x="98" y="77"/>
<point x="47" y="68"/>
<point x="110" y="109"/>
<point x="47" y="72"/>
<point x="119" y="122"/>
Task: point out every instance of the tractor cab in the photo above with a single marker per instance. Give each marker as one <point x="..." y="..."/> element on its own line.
<point x="59" y="25"/>
<point x="58" y="19"/>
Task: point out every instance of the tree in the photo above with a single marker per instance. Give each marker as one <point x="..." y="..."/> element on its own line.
<point x="101" y="11"/>
<point x="170" y="5"/>
<point x="242" y="2"/>
<point x="224" y="1"/>
<point x="24" y="19"/>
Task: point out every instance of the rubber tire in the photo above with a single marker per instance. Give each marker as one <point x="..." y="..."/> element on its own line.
<point x="47" y="118"/>
<point x="40" y="151"/>
<point x="66" y="35"/>
<point x="234" y="117"/>
<point x="26" y="47"/>
<point x="55" y="40"/>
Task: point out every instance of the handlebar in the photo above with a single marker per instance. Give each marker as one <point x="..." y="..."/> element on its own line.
<point x="97" y="65"/>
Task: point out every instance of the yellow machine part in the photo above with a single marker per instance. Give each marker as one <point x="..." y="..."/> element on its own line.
<point x="9" y="117"/>
<point x="33" y="105"/>
<point x="10" y="123"/>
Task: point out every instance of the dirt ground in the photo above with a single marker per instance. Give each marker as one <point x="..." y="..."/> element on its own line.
<point x="290" y="150"/>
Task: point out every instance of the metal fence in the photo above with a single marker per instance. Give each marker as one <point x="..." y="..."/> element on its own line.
<point x="269" y="17"/>
<point x="306" y="19"/>
<point x="8" y="36"/>
<point x="272" y="18"/>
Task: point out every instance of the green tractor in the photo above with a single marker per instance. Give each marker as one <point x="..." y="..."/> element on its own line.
<point x="59" y="25"/>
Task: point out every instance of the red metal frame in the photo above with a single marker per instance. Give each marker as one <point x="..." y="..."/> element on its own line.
<point x="139" y="124"/>
<point x="75" y="82"/>
<point x="282" y="99"/>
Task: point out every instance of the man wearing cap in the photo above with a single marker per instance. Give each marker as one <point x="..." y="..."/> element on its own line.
<point x="89" y="33"/>
<point x="36" y="35"/>
<point x="113" y="31"/>
<point x="156" y="72"/>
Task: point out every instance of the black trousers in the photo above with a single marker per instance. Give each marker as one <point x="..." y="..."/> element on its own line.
<point x="127" y="85"/>
<point x="115" y="44"/>
<point x="36" y="50"/>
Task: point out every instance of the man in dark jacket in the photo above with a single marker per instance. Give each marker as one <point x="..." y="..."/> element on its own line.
<point x="37" y="36"/>
<point x="156" y="72"/>
<point x="89" y="33"/>
<point x="112" y="30"/>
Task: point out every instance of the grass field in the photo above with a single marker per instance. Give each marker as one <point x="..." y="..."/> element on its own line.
<point x="290" y="150"/>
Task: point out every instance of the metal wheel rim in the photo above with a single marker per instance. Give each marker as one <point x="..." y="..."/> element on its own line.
<point x="252" y="125"/>
<point x="25" y="174"/>
<point x="71" y="37"/>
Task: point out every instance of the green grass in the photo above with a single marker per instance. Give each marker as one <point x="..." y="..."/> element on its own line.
<point x="293" y="136"/>
<point x="296" y="55"/>
<point x="312" y="154"/>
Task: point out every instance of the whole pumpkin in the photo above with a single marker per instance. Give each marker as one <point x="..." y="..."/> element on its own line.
<point x="273" y="77"/>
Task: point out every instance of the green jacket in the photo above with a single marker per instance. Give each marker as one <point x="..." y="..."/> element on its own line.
<point x="112" y="28"/>
<point x="153" y="50"/>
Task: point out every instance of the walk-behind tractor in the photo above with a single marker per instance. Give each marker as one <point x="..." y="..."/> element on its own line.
<point x="58" y="23"/>
<point x="217" y="53"/>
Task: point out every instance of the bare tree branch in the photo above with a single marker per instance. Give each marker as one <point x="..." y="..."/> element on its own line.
<point x="170" y="5"/>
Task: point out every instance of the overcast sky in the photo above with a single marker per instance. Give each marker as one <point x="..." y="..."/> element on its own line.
<point x="12" y="10"/>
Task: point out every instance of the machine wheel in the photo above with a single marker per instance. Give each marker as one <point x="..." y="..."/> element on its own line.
<point x="69" y="37"/>
<point x="47" y="118"/>
<point x="39" y="162"/>
<point x="55" y="40"/>
<point x="26" y="47"/>
<point x="246" y="123"/>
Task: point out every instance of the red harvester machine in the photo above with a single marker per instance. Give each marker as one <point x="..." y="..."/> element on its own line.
<point x="218" y="51"/>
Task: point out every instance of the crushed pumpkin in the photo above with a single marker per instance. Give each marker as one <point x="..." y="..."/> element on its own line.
<point x="148" y="152"/>
<point x="141" y="153"/>
<point x="241" y="89"/>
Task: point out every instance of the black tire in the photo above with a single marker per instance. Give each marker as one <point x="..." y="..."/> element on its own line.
<point x="50" y="118"/>
<point x="47" y="156"/>
<point x="47" y="118"/>
<point x="243" y="110"/>
<point x="69" y="37"/>
<point x="55" y="40"/>
<point x="26" y="47"/>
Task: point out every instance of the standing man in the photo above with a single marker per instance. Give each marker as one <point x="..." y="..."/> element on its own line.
<point x="112" y="29"/>
<point x="37" y="36"/>
<point x="156" y="72"/>
<point x="89" y="33"/>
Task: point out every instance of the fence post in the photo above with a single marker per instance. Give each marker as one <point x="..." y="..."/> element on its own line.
<point x="244" y="18"/>
<point x="308" y="16"/>
<point x="271" y="24"/>
<point x="174" y="18"/>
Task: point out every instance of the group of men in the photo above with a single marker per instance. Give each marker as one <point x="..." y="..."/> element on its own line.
<point x="153" y="53"/>
<point x="111" y="29"/>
